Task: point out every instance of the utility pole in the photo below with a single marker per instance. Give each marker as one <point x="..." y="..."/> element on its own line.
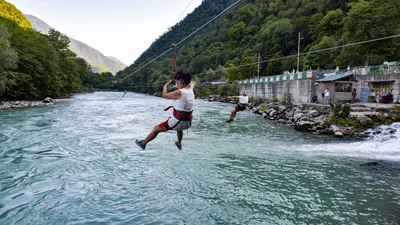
<point x="258" y="69"/>
<point x="298" y="53"/>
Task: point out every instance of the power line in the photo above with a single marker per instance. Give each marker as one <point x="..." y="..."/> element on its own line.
<point x="183" y="39"/>
<point x="286" y="57"/>
<point x="145" y="65"/>
<point x="305" y="53"/>
<point x="183" y="12"/>
<point x="209" y="21"/>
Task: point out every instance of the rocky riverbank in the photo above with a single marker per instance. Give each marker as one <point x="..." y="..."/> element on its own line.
<point x="322" y="119"/>
<point x="5" y="105"/>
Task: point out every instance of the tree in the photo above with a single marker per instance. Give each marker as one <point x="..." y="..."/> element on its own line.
<point x="60" y="41"/>
<point x="331" y="24"/>
<point x="8" y="57"/>
<point x="368" y="20"/>
<point x="324" y="59"/>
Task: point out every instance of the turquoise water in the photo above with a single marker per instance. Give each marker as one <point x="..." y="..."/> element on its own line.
<point x="76" y="163"/>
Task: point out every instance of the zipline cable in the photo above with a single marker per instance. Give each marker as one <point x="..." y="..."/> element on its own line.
<point x="227" y="9"/>
<point x="286" y="57"/>
<point x="183" y="12"/>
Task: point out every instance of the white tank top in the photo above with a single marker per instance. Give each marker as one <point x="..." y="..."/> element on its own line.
<point x="244" y="99"/>
<point x="185" y="102"/>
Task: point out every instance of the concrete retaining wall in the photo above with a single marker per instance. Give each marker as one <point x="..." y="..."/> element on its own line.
<point x="300" y="91"/>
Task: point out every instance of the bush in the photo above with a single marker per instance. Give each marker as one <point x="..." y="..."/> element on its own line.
<point x="340" y="110"/>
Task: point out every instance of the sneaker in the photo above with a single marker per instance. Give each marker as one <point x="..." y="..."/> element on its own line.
<point x="178" y="146"/>
<point x="228" y="121"/>
<point x="139" y="143"/>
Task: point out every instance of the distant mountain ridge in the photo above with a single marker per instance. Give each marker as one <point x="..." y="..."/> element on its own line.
<point x="99" y="62"/>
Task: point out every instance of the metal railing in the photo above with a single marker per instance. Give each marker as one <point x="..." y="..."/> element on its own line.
<point x="394" y="67"/>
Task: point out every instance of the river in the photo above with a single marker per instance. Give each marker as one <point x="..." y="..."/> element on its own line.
<point x="76" y="163"/>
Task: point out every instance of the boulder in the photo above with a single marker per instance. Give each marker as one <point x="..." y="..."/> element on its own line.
<point x="264" y="115"/>
<point x="282" y="109"/>
<point x="289" y="114"/>
<point x="48" y="100"/>
<point x="314" y="113"/>
<point x="282" y="121"/>
<point x="273" y="113"/>
<point x="336" y="130"/>
<point x="297" y="116"/>
<point x="303" y="125"/>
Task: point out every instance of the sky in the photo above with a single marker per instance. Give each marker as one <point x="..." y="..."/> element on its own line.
<point x="120" y="28"/>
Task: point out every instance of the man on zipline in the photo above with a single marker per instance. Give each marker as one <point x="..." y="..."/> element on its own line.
<point x="241" y="106"/>
<point x="181" y="118"/>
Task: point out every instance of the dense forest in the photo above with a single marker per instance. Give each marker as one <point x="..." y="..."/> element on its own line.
<point x="269" y="28"/>
<point x="34" y="66"/>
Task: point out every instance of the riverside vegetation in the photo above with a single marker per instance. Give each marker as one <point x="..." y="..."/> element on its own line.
<point x="34" y="66"/>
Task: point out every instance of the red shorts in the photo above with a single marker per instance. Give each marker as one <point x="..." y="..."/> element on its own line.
<point x="164" y="125"/>
<point x="240" y="108"/>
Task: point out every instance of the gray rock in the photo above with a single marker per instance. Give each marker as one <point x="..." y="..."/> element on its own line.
<point x="264" y="115"/>
<point x="289" y="114"/>
<point x="282" y="109"/>
<point x="314" y="113"/>
<point x="363" y="118"/>
<point x="282" y="121"/>
<point x="297" y="110"/>
<point x="336" y="130"/>
<point x="273" y="113"/>
<point x="320" y="119"/>
<point x="303" y="125"/>
<point x="304" y="119"/>
<point x="308" y="115"/>
<point x="48" y="100"/>
<point x="297" y="116"/>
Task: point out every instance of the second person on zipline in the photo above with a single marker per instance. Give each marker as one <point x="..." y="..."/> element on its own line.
<point x="241" y="106"/>
<point x="181" y="118"/>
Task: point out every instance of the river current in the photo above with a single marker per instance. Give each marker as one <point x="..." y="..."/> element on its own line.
<point x="76" y="163"/>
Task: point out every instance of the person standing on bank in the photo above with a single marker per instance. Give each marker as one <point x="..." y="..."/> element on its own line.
<point x="241" y="106"/>
<point x="327" y="96"/>
<point x="354" y="94"/>
<point x="181" y="118"/>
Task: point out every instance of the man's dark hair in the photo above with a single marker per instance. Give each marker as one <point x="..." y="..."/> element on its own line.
<point x="186" y="77"/>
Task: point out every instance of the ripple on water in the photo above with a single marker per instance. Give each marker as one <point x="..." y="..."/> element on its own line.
<point x="76" y="163"/>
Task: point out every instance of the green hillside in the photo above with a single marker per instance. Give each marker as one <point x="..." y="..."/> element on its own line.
<point x="34" y="65"/>
<point x="271" y="28"/>
<point x="9" y="11"/>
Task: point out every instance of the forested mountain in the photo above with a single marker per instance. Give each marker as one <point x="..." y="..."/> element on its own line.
<point x="97" y="60"/>
<point x="35" y="65"/>
<point x="270" y="28"/>
<point x="9" y="11"/>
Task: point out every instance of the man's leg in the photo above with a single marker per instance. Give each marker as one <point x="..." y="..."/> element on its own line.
<point x="153" y="134"/>
<point x="233" y="114"/>
<point x="179" y="134"/>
